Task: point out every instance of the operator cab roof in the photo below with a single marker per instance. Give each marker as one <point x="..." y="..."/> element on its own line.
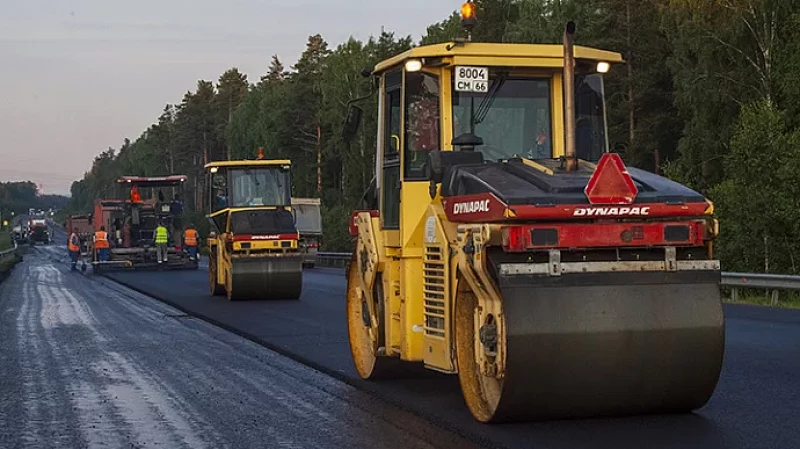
<point x="494" y="54"/>
<point x="153" y="181"/>
<point x="245" y="163"/>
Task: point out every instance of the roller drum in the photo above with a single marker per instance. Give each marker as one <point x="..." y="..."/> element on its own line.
<point x="266" y="277"/>
<point x="584" y="345"/>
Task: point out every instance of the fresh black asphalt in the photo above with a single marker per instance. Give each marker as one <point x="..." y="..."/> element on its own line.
<point x="88" y="363"/>
<point x="756" y="404"/>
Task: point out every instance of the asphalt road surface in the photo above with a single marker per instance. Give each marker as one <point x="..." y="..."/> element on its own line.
<point x="756" y="404"/>
<point x="88" y="363"/>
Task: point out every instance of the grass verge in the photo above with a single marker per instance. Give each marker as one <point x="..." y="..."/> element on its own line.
<point x="5" y="241"/>
<point x="786" y="299"/>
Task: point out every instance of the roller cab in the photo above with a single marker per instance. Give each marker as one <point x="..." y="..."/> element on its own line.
<point x="503" y="243"/>
<point x="253" y="248"/>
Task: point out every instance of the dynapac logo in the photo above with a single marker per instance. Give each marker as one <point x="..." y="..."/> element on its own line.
<point x="471" y="207"/>
<point x="612" y="211"/>
<point x="266" y="237"/>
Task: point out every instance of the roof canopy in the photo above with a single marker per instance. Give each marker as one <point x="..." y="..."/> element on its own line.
<point x="516" y="55"/>
<point x="246" y="163"/>
<point x="153" y="181"/>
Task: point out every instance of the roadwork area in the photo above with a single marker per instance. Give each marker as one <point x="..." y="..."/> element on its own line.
<point x="88" y="363"/>
<point x="757" y="397"/>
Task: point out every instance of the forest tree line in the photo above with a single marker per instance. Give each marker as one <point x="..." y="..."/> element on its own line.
<point x="17" y="197"/>
<point x="709" y="96"/>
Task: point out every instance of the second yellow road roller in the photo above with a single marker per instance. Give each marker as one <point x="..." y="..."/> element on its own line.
<point x="253" y="251"/>
<point x="506" y="244"/>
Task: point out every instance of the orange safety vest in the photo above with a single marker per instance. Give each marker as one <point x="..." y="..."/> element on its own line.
<point x="191" y="237"/>
<point x="101" y="239"/>
<point x="71" y="246"/>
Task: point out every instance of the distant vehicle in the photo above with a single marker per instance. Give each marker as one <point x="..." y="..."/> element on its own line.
<point x="309" y="226"/>
<point x="37" y="231"/>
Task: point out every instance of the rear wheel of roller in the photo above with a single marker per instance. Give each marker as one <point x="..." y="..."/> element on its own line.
<point x="229" y="284"/>
<point x="367" y="362"/>
<point x="481" y="393"/>
<point x="216" y="289"/>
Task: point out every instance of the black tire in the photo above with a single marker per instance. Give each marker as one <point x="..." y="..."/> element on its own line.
<point x="216" y="289"/>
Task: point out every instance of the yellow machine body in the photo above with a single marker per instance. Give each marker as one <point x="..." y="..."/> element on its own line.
<point x="253" y="249"/>
<point x="427" y="286"/>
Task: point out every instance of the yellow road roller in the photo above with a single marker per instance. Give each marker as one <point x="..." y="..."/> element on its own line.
<point x="503" y="242"/>
<point x="253" y="251"/>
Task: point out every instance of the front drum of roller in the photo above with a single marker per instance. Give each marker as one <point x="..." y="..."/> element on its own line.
<point x="274" y="277"/>
<point x="592" y="345"/>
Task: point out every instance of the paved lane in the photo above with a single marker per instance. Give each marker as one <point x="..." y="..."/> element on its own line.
<point x="87" y="363"/>
<point x="755" y="405"/>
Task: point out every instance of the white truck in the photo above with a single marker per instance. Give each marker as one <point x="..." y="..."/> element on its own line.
<point x="309" y="226"/>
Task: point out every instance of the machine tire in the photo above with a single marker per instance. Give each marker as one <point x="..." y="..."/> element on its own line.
<point x="481" y="393"/>
<point x="368" y="364"/>
<point x="216" y="289"/>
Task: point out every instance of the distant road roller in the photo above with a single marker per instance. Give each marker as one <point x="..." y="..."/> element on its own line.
<point x="505" y="243"/>
<point x="253" y="251"/>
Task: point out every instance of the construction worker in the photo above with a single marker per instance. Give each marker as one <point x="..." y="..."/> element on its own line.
<point x="222" y="200"/>
<point x="162" y="238"/>
<point x="101" y="244"/>
<point x="190" y="241"/>
<point x="74" y="247"/>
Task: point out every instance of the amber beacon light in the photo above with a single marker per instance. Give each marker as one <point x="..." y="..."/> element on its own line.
<point x="468" y="14"/>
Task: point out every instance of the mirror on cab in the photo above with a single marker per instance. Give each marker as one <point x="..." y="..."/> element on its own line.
<point x="352" y="122"/>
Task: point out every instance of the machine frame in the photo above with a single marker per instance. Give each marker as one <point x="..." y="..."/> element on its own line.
<point x="139" y="252"/>
<point x="263" y="260"/>
<point x="465" y="282"/>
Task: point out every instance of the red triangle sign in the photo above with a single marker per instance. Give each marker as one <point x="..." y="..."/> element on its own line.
<point x="611" y="183"/>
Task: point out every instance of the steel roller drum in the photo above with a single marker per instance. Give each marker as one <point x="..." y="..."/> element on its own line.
<point x="267" y="277"/>
<point x="610" y="344"/>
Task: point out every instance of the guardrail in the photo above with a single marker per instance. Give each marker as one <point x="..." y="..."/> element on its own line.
<point x="773" y="282"/>
<point x="735" y="281"/>
<point x="334" y="260"/>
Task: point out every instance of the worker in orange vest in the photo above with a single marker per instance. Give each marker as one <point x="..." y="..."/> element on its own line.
<point x="190" y="240"/>
<point x="101" y="243"/>
<point x="74" y="247"/>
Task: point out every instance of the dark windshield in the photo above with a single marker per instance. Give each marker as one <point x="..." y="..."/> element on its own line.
<point x="259" y="187"/>
<point x="515" y="123"/>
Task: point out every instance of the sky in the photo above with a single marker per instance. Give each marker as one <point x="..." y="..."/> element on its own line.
<point x="78" y="76"/>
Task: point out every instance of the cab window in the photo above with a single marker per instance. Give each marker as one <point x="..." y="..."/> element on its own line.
<point x="390" y="182"/>
<point x="422" y="122"/>
<point x="512" y="117"/>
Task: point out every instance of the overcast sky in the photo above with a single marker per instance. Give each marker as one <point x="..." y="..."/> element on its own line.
<point x="77" y="76"/>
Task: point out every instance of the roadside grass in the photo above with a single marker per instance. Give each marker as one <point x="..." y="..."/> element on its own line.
<point x="786" y="299"/>
<point x="6" y="263"/>
<point x="5" y="241"/>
